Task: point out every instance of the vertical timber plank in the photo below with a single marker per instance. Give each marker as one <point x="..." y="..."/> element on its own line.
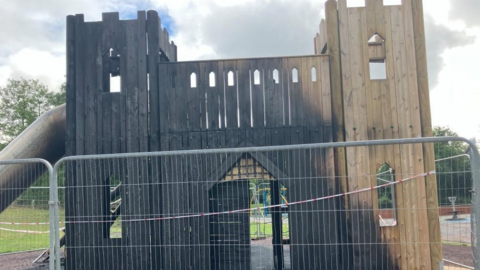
<point x="152" y="26"/>
<point x="391" y="128"/>
<point x="359" y="133"/>
<point x="426" y="125"/>
<point x="406" y="151"/>
<point x="143" y="191"/>
<point x="334" y="51"/>
<point x="80" y="139"/>
<point x="70" y="195"/>
<point x="416" y="131"/>
<point x="349" y="129"/>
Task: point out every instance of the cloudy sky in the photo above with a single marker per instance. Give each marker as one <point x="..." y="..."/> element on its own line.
<point x="32" y="40"/>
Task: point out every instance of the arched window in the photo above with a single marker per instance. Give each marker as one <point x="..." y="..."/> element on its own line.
<point x="294" y="75"/>
<point x="211" y="79"/>
<point x="193" y="80"/>
<point x="231" y="79"/>
<point x="386" y="196"/>
<point x="314" y="74"/>
<point x="276" y="77"/>
<point x="256" y="77"/>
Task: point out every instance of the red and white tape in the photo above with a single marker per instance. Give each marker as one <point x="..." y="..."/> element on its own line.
<point x="235" y="211"/>
<point x="24" y="231"/>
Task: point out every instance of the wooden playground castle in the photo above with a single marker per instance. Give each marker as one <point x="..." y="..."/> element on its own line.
<point x="327" y="97"/>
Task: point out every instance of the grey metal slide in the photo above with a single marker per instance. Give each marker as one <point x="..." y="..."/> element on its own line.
<point x="44" y="138"/>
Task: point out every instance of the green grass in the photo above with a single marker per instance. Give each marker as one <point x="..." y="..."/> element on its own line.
<point x="456" y="244"/>
<point x="116" y="229"/>
<point x="19" y="241"/>
<point x="265" y="229"/>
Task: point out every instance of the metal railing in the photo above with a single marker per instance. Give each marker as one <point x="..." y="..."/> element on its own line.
<point x="176" y="208"/>
<point x="27" y="218"/>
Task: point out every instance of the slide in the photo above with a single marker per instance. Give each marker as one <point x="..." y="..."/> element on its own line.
<point x="44" y="138"/>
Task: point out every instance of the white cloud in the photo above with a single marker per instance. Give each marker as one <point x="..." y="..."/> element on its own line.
<point x="39" y="24"/>
<point x="231" y="29"/>
<point x="456" y="99"/>
<point x="46" y="67"/>
<point x="467" y="12"/>
<point x="440" y="38"/>
<point x="32" y="40"/>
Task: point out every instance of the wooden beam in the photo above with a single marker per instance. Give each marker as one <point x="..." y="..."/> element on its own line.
<point x="426" y="127"/>
<point x="70" y="209"/>
<point x="391" y="131"/>
<point x="333" y="41"/>
<point x="276" y="225"/>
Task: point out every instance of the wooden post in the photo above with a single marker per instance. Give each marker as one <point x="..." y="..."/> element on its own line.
<point x="70" y="209"/>
<point x="426" y="122"/>
<point x="333" y="50"/>
<point x="277" y="225"/>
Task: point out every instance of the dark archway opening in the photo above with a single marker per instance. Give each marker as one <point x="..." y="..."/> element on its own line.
<point x="255" y="239"/>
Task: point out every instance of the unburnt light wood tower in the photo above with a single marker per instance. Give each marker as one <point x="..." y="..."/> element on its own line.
<point x="168" y="105"/>
<point x="395" y="106"/>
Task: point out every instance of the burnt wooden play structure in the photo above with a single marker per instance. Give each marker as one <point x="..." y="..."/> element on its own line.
<point x="166" y="105"/>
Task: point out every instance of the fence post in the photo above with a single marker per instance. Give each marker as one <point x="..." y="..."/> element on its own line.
<point x="54" y="222"/>
<point x="52" y="206"/>
<point x="475" y="163"/>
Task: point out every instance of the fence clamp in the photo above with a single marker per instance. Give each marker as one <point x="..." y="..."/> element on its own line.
<point x="52" y="202"/>
<point x="473" y="191"/>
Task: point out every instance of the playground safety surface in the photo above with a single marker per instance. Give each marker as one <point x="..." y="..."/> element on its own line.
<point x="21" y="261"/>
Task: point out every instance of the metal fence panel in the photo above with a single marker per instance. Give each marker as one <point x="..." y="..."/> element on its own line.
<point x="255" y="208"/>
<point x="26" y="212"/>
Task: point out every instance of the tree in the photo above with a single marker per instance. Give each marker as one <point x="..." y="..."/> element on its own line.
<point x="22" y="102"/>
<point x="453" y="175"/>
<point x="58" y="98"/>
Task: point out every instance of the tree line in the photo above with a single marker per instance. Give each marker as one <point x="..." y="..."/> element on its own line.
<point x="22" y="101"/>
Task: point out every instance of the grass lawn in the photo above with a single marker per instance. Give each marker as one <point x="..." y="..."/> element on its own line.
<point x="265" y="229"/>
<point x="116" y="229"/>
<point x="20" y="241"/>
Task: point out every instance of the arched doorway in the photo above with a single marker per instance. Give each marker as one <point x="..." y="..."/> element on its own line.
<point x="249" y="239"/>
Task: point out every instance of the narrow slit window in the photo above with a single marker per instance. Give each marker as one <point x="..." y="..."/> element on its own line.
<point x="231" y="79"/>
<point x="115" y="83"/>
<point x="355" y="3"/>
<point x="294" y="75"/>
<point x="193" y="80"/>
<point x="386" y="196"/>
<point x="211" y="79"/>
<point x="256" y="77"/>
<point x="378" y="70"/>
<point x="314" y="74"/>
<point x="276" y="77"/>
<point x="377" y="56"/>
<point x="113" y="188"/>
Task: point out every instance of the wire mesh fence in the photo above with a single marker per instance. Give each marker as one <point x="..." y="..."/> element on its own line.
<point x="24" y="212"/>
<point x="257" y="208"/>
<point x="261" y="208"/>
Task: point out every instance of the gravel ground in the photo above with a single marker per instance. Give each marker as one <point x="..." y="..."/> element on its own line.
<point x="262" y="254"/>
<point x="21" y="261"/>
<point x="262" y="257"/>
<point x="459" y="254"/>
